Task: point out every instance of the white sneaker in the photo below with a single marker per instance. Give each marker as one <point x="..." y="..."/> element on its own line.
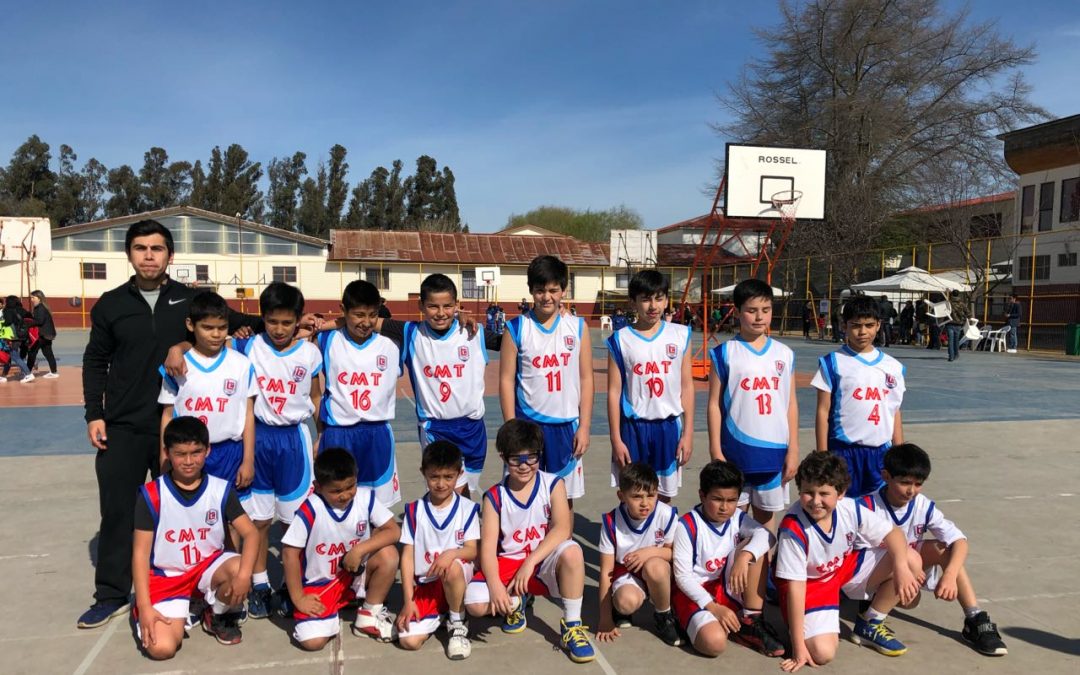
<point x="379" y="625"/>
<point x="50" y="376"/>
<point x="1011" y="351"/>
<point x="29" y="378"/>
<point x="458" y="647"/>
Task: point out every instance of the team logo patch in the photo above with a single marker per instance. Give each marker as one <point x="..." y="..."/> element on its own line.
<point x="850" y="538"/>
<point x="299" y="373"/>
<point x="463" y="353"/>
<point x="381" y="362"/>
<point x="672" y="350"/>
<point x="890" y="381"/>
<point x="211" y="517"/>
<point x="547" y="511"/>
<point x="570" y="342"/>
<point x="779" y="367"/>
<point x="230" y="386"/>
<point x="919" y="530"/>
<point x="459" y="537"/>
<point x="361" y="528"/>
<point x="659" y="536"/>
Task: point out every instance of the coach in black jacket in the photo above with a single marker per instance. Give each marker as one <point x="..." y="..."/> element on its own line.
<point x="132" y="328"/>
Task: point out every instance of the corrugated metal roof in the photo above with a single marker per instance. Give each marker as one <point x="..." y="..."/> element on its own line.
<point x="439" y="247"/>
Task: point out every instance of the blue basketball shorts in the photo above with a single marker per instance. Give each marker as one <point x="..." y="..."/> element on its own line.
<point x="559" y="456"/>
<point x="372" y="445"/>
<point x="282" y="471"/>
<point x="864" y="464"/>
<point x="469" y="435"/>
<point x="224" y="462"/>
<point x="654" y="442"/>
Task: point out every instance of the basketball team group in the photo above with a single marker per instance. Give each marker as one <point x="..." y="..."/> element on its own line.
<point x="237" y="455"/>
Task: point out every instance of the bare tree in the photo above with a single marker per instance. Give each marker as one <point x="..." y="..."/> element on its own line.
<point x="894" y="90"/>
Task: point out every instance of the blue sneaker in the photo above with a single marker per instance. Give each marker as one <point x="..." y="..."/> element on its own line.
<point x="876" y="635"/>
<point x="575" y="637"/>
<point x="515" y="621"/>
<point x="259" y="600"/>
<point x="100" y="613"/>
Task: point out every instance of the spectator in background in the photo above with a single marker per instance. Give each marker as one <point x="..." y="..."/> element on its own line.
<point x="907" y="320"/>
<point x="523" y="306"/>
<point x="42" y="317"/>
<point x="619" y="320"/>
<point x="15" y="320"/>
<point x="957" y="324"/>
<point x="808" y="318"/>
<point x="1013" y="314"/>
<point x="888" y="313"/>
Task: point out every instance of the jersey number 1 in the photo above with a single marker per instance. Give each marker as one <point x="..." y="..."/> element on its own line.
<point x="764" y="404"/>
<point x="554" y="380"/>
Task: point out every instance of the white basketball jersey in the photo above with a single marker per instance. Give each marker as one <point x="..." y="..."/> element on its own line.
<point x="214" y="390"/>
<point x="917" y="518"/>
<point x="326" y="535"/>
<point x="620" y="534"/>
<point x="186" y="532"/>
<point x="431" y="532"/>
<point x="703" y="549"/>
<point x="548" y="383"/>
<point x="284" y="379"/>
<point x="804" y="551"/>
<point x="523" y="526"/>
<point x="757" y="388"/>
<point x="651" y="370"/>
<point x="446" y="371"/>
<point x="867" y="390"/>
<point x="361" y="378"/>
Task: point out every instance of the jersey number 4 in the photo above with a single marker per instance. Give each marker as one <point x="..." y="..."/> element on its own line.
<point x="875" y="414"/>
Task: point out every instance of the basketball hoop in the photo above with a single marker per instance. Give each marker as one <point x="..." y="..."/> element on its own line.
<point x="787" y="203"/>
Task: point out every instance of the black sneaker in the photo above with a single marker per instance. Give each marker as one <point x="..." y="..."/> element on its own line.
<point x="982" y="634"/>
<point x="224" y="627"/>
<point x="756" y="633"/>
<point x="667" y="628"/>
<point x="259" y="600"/>
<point x="281" y="604"/>
<point x="100" y="613"/>
<point x="621" y="620"/>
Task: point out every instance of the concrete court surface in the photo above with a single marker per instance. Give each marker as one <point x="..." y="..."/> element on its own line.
<point x="1002" y="432"/>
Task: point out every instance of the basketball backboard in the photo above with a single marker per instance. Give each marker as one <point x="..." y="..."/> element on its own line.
<point x="487" y="276"/>
<point x="755" y="174"/>
<point x="184" y="273"/>
<point x="25" y="239"/>
<point x="636" y="248"/>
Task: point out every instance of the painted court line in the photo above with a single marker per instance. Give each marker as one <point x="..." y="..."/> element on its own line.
<point x="99" y="645"/>
<point x="1034" y="596"/>
<point x="24" y="555"/>
<point x="601" y="661"/>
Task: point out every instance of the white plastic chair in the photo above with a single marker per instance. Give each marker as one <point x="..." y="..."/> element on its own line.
<point x="998" y="339"/>
<point x="605" y="322"/>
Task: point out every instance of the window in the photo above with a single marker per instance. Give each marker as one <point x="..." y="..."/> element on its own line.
<point x="1042" y="269"/>
<point x="570" y="287"/>
<point x="202" y="273"/>
<point x="1027" y="209"/>
<point x="469" y="289"/>
<point x="622" y="281"/>
<point x="93" y="270"/>
<point x="379" y="276"/>
<point x="1070" y="200"/>
<point x="286" y="274"/>
<point x="1046" y="207"/>
<point x="1066" y="260"/>
<point x="986" y="225"/>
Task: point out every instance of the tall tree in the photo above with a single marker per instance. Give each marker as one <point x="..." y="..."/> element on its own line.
<point x="240" y="177"/>
<point x="285" y="176"/>
<point x="446" y="205"/>
<point x="92" y="196"/>
<point x="197" y="195"/>
<point x="395" y="197"/>
<point x="312" y="213"/>
<point x="64" y="207"/>
<point x="125" y="192"/>
<point x="893" y="89"/>
<point x="421" y="192"/>
<point x="163" y="184"/>
<point x="338" y="187"/>
<point x="27" y="184"/>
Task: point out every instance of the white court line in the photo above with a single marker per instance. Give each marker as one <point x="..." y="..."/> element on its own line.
<point x="99" y="645"/>
<point x="1034" y="596"/>
<point x="24" y="555"/>
<point x="600" y="660"/>
<point x="1019" y="497"/>
<point x="950" y="501"/>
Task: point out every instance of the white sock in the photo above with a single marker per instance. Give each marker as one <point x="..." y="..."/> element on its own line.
<point x="456" y="617"/>
<point x="970" y="612"/>
<point x="571" y="609"/>
<point x="219" y="607"/>
<point x="262" y="578"/>
<point x="872" y="614"/>
<point x="373" y="608"/>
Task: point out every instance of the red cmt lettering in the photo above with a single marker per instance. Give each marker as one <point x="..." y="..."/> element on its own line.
<point x="184" y="534"/>
<point x="200" y="404"/>
<point x="359" y="379"/>
<point x="531" y="533"/>
<point x="715" y="564"/>
<point x="334" y="549"/>
<point x="759" y="383"/>
<point x="445" y="371"/>
<point x="868" y="394"/>
<point x="829" y="566"/>
<point x="551" y="360"/>
<point x="431" y="556"/>
<point x="652" y="368"/>
<point x="276" y="385"/>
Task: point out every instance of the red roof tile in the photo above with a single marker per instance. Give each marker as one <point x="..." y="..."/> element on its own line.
<point x="437" y="247"/>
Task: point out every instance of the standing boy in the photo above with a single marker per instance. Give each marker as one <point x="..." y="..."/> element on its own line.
<point x="635" y="556"/>
<point x="860" y="390"/>
<point x="651" y="388"/>
<point x="439" y="542"/>
<point x="752" y="409"/>
<point x="721" y="557"/>
<point x="179" y="546"/>
<point x="545" y="373"/>
<point x="360" y="370"/>
<point x="339" y="547"/>
<point x="815" y="560"/>
<point x="218" y="388"/>
<point x="907" y="466"/>
<point x="525" y="544"/>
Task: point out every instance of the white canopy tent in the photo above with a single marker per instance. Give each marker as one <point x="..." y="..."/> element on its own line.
<point x="911" y="280"/>
<point x="727" y="291"/>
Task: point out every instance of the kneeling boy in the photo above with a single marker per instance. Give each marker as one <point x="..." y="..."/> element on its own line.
<point x="340" y="546"/>
<point x="438" y="549"/>
<point x="179" y="546"/>
<point x="525" y="545"/>
<point x="720" y="560"/>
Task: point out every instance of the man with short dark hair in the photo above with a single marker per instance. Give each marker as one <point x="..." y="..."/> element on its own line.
<point x="1013" y="313"/>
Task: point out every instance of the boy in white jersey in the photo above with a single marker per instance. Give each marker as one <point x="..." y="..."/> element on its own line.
<point x="650" y="388"/>
<point x="546" y="373"/>
<point x="179" y="547"/>
<point x="525" y="544"/>
<point x="907" y="466"/>
<point x="439" y="537"/>
<point x="446" y="368"/>
<point x="339" y="547"/>
<point x="752" y="410"/>
<point x="360" y="371"/>
<point x="635" y="556"/>
<point x="720" y="558"/>
<point x="816" y="559"/>
<point x="860" y="390"/>
<point x="219" y="389"/>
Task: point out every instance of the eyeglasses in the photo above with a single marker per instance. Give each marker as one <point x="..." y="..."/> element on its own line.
<point x="518" y="460"/>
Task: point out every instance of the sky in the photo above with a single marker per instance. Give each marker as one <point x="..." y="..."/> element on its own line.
<point x="574" y="103"/>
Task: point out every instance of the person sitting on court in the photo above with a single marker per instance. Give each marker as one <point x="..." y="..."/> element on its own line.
<point x="179" y="547"/>
<point x="907" y="466"/>
<point x="340" y="546"/>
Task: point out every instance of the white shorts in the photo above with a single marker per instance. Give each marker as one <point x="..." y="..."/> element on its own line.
<point x="629" y="579"/>
<point x="178" y="608"/>
<point x="430" y="601"/>
<point x="327" y="626"/>
<point x="858" y="588"/>
<point x="476" y="593"/>
<point x="773" y="496"/>
<point x="574" y="480"/>
<point x="470" y="479"/>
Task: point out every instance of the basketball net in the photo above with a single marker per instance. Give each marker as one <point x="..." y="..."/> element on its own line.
<point x="787" y="203"/>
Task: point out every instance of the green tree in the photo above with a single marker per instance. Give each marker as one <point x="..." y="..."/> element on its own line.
<point x="586" y="225"/>
<point x="311" y="215"/>
<point x="337" y="187"/>
<point x="240" y="191"/>
<point x="64" y="208"/>
<point x="285" y="176"/>
<point x="163" y="184"/>
<point x="446" y="205"/>
<point x="421" y="192"/>
<point x="27" y="184"/>
<point x="92" y="195"/>
<point x="197" y="195"/>
<point x="125" y="192"/>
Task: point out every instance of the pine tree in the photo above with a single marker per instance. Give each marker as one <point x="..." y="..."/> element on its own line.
<point x="420" y="192"/>
<point x="92" y="196"/>
<point x="312" y="213"/>
<point x="338" y="187"/>
<point x="64" y="206"/>
<point x="285" y="176"/>
<point x="124" y="187"/>
<point x="197" y="196"/>
<point x="240" y="177"/>
<point x="27" y="183"/>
